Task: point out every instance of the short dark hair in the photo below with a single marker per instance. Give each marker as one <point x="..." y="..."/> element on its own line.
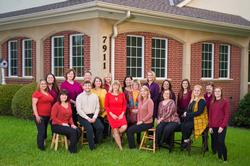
<point x="68" y="71"/>
<point x="170" y="93"/>
<point x="124" y="81"/>
<point x="87" y="82"/>
<point x="170" y="86"/>
<point x="211" y="84"/>
<point x="87" y="72"/>
<point x="63" y="92"/>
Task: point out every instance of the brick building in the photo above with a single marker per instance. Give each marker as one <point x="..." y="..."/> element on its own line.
<point x="171" y="38"/>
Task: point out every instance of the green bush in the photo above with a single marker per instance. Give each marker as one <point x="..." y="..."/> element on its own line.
<point x="22" y="102"/>
<point x="7" y="92"/>
<point x="242" y="117"/>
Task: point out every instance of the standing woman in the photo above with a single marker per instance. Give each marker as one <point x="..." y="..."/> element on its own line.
<point x="74" y="89"/>
<point x="154" y="91"/>
<point x="168" y="119"/>
<point x="62" y="123"/>
<point x="184" y="97"/>
<point x="132" y="106"/>
<point x="127" y="85"/>
<point x="41" y="104"/>
<point x="101" y="93"/>
<point x="218" y="118"/>
<point x="144" y="116"/>
<point x="107" y="81"/>
<point x="53" y="90"/>
<point x="115" y="105"/>
<point x="87" y="77"/>
<point x="165" y="86"/>
<point x="196" y="113"/>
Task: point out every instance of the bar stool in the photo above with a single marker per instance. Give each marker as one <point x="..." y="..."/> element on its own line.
<point x="203" y="146"/>
<point x="56" y="139"/>
<point x="82" y="139"/>
<point x="147" y="136"/>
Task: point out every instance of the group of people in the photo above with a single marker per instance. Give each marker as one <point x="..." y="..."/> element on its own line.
<point x="130" y="109"/>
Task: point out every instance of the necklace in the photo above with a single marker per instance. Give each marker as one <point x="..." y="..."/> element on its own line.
<point x="116" y="98"/>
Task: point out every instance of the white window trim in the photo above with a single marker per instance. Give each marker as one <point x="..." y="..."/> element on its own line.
<point x="248" y="62"/>
<point x="52" y="54"/>
<point x="166" y="57"/>
<point x="24" y="57"/>
<point x="9" y="71"/>
<point x="212" y="72"/>
<point x="71" y="51"/>
<point x="228" y="64"/>
<point x="143" y="55"/>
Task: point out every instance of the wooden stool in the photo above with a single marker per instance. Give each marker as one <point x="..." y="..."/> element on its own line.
<point x="203" y="146"/>
<point x="82" y="139"/>
<point x="56" y="139"/>
<point x="147" y="136"/>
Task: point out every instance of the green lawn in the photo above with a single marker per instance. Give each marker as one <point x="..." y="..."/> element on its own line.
<point x="18" y="147"/>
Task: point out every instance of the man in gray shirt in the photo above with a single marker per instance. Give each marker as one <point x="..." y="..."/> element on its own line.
<point x="87" y="106"/>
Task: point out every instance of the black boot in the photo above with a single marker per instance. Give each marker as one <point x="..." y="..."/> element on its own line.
<point x="184" y="146"/>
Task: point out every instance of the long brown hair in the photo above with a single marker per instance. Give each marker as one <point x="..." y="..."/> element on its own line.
<point x="63" y="92"/>
<point x="182" y="89"/>
<point x="97" y="78"/>
<point x="221" y="96"/>
<point x="54" y="84"/>
<point x="39" y="83"/>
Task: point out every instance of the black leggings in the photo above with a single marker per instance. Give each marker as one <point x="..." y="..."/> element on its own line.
<point x="186" y="128"/>
<point x="163" y="130"/>
<point x="219" y="139"/>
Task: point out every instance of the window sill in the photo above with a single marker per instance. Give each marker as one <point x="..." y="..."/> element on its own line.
<point x="61" y="79"/>
<point x="216" y="80"/>
<point x="20" y="78"/>
<point x="158" y="80"/>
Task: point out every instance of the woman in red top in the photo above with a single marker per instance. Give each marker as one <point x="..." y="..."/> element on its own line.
<point x="61" y="116"/>
<point x="144" y="116"/>
<point x="41" y="103"/>
<point x="218" y="118"/>
<point x="184" y="97"/>
<point x="107" y="81"/>
<point x="115" y="105"/>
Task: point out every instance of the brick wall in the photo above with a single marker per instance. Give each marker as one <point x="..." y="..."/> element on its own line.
<point x="174" y="57"/>
<point x="48" y="51"/>
<point x="231" y="89"/>
<point x="5" y="56"/>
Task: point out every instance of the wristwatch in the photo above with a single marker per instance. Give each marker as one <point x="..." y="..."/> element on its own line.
<point x="142" y="121"/>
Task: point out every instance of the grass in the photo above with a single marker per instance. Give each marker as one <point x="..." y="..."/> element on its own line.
<point x="18" y="147"/>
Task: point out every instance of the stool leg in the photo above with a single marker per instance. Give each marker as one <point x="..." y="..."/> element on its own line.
<point x="154" y="142"/>
<point x="62" y="140"/>
<point x="82" y="137"/>
<point x="53" y="140"/>
<point x="142" y="142"/>
<point x="66" y="143"/>
<point x="57" y="137"/>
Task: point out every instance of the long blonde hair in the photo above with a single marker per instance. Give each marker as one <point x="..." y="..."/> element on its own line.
<point x="106" y="75"/>
<point x="201" y="96"/>
<point x="116" y="82"/>
<point x="146" y="89"/>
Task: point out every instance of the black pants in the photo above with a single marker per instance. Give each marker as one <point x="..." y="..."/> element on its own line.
<point x="105" y="125"/>
<point x="50" y="122"/>
<point x="72" y="134"/>
<point x="186" y="128"/>
<point x="136" y="129"/>
<point x="89" y="128"/>
<point x="151" y="132"/>
<point x="138" y="135"/>
<point x="213" y="146"/>
<point x="74" y="115"/>
<point x="163" y="130"/>
<point x="219" y="139"/>
<point x="42" y="130"/>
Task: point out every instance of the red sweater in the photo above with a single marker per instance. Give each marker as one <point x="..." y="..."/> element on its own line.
<point x="43" y="104"/>
<point x="60" y="115"/>
<point x="218" y="115"/>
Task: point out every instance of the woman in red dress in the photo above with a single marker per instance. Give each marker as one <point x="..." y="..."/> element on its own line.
<point x="115" y="105"/>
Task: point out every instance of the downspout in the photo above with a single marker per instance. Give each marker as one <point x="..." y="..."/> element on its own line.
<point x="113" y="43"/>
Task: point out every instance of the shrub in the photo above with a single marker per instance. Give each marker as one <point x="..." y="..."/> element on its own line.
<point x="7" y="92"/>
<point x="22" y="102"/>
<point x="242" y="117"/>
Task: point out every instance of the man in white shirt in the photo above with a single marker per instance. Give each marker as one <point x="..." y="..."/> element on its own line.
<point x="87" y="106"/>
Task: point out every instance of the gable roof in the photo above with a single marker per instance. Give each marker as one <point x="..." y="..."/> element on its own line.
<point x="162" y="6"/>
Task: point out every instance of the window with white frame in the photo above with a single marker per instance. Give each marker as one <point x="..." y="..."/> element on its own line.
<point x="207" y="60"/>
<point x="249" y="65"/>
<point x="13" y="67"/>
<point x="77" y="54"/>
<point x="135" y="56"/>
<point x="159" y="57"/>
<point x="224" y="66"/>
<point x="58" y="55"/>
<point x="27" y="58"/>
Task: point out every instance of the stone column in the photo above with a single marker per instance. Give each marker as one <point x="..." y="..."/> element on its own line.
<point x="186" y="60"/>
<point x="39" y="60"/>
<point x="244" y="72"/>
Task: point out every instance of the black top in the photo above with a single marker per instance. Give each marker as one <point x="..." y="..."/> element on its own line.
<point x="201" y="105"/>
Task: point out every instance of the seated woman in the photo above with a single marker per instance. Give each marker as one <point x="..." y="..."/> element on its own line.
<point x="168" y="119"/>
<point x="61" y="116"/>
<point x="196" y="113"/>
<point x="144" y="116"/>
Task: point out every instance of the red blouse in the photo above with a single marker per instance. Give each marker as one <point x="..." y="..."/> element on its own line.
<point x="60" y="115"/>
<point x="43" y="104"/>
